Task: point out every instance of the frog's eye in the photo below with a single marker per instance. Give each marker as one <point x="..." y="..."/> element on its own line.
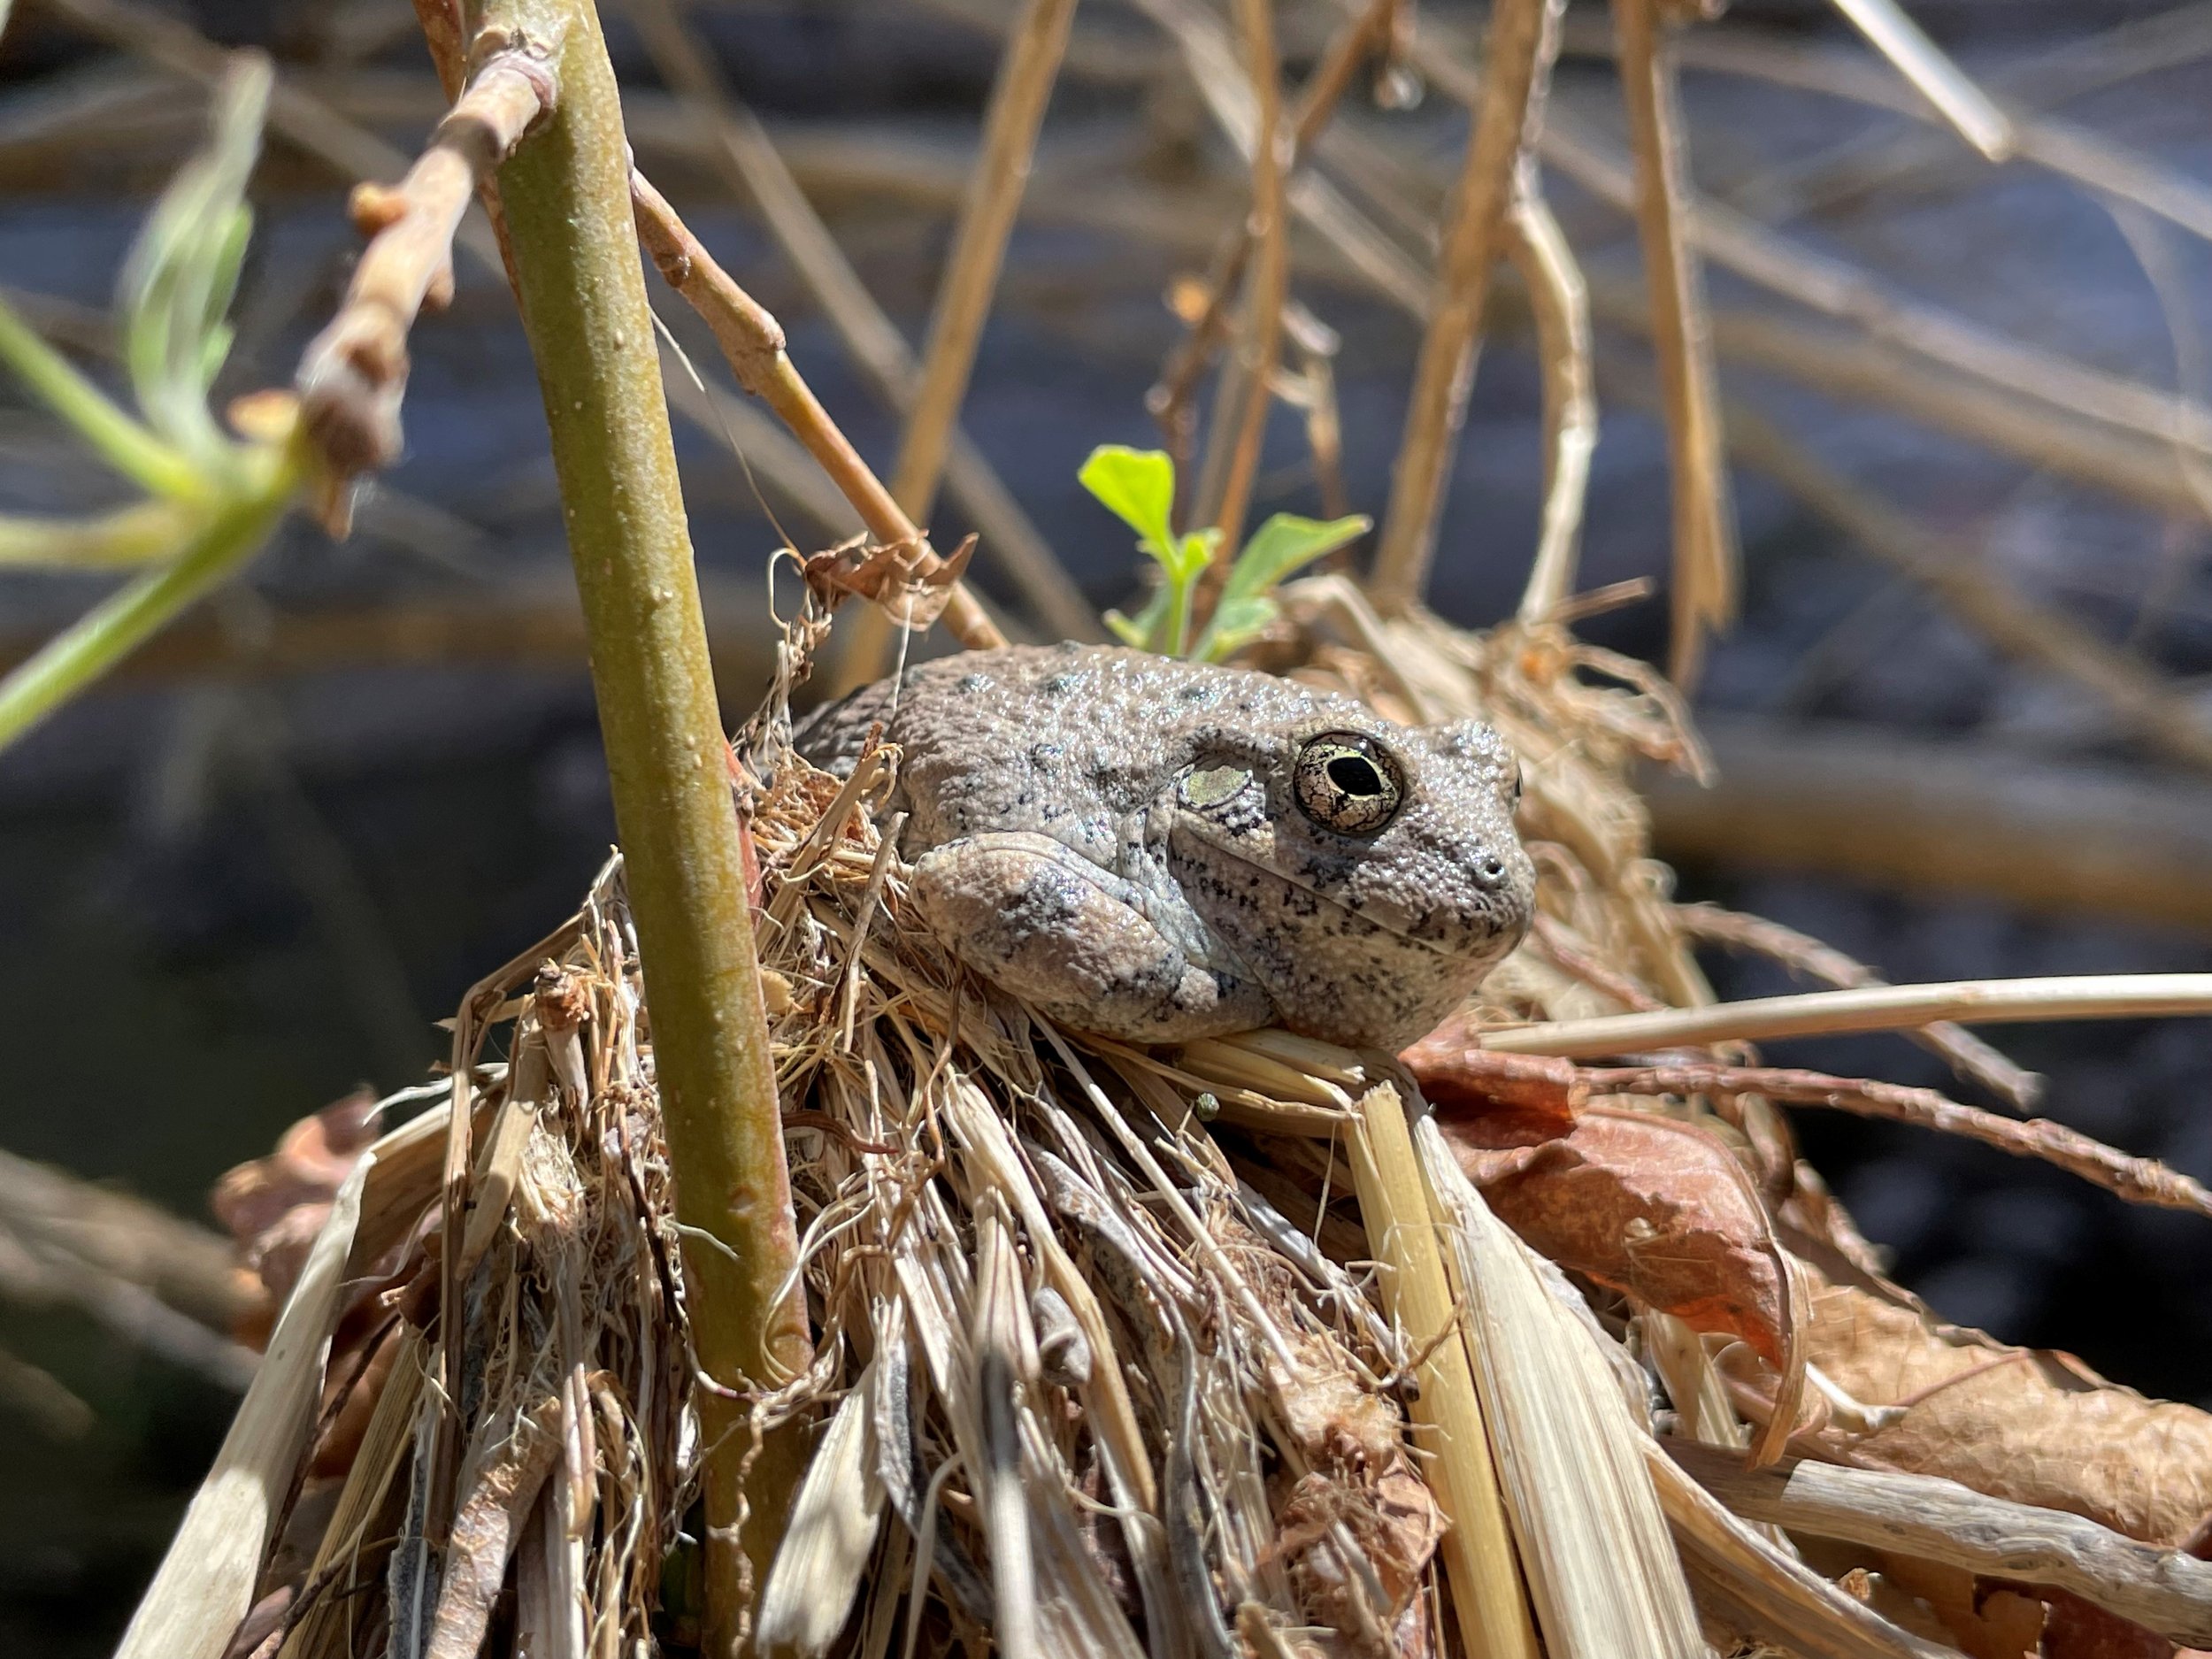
<point x="1348" y="783"/>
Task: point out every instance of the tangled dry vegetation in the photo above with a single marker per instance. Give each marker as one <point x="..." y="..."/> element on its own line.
<point x="1251" y="1347"/>
<point x="1136" y="1352"/>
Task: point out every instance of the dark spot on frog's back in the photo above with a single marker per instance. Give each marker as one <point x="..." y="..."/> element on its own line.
<point x="1041" y="754"/>
<point x="1059" y="684"/>
<point x="970" y="684"/>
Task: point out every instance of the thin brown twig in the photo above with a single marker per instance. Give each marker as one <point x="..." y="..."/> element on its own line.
<point x="1968" y="1054"/>
<point x="1516" y="55"/>
<point x="1171" y="395"/>
<point x="1035" y="46"/>
<point x="2138" y="1180"/>
<point x="1705" y="559"/>
<point x="750" y="161"/>
<point x="354" y="374"/>
<point x="1559" y="303"/>
<point x="752" y="343"/>
<point x="1246" y="388"/>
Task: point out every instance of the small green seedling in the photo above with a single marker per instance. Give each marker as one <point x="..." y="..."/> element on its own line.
<point x="1139" y="487"/>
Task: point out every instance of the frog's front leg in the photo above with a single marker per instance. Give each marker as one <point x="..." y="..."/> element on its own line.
<point x="1041" y="921"/>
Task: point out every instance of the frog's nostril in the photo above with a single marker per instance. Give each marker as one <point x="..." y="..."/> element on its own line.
<point x="1492" y="869"/>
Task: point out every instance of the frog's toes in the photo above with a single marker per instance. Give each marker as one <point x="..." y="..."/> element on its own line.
<point x="1046" y="924"/>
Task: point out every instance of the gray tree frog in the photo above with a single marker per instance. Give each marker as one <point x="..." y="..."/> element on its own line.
<point x="1160" y="850"/>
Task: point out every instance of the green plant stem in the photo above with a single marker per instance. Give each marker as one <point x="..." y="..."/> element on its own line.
<point x="566" y="193"/>
<point x="74" y="658"/>
<point x="122" y="443"/>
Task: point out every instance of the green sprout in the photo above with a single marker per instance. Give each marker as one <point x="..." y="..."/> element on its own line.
<point x="211" y="500"/>
<point x="1138" y="486"/>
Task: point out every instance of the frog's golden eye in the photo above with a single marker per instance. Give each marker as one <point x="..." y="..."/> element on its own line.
<point x="1348" y="783"/>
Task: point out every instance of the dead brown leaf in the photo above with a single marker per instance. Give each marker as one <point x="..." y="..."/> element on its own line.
<point x="2035" y="1426"/>
<point x="1659" y="1209"/>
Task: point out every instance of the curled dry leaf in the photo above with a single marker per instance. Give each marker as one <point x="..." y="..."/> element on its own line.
<point x="905" y="578"/>
<point x="272" y="1207"/>
<point x="2033" y="1425"/>
<point x="1657" y="1208"/>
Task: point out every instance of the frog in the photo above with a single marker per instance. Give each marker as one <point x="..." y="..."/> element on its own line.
<point x="1159" y="851"/>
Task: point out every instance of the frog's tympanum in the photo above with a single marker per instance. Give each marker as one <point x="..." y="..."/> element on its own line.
<point x="1159" y="850"/>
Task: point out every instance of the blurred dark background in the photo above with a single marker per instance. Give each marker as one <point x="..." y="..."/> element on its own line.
<point x="249" y="875"/>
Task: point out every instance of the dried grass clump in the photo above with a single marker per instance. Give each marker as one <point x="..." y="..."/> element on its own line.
<point x="1254" y="1346"/>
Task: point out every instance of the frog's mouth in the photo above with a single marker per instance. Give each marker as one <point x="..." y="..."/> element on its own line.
<point x="1466" y="937"/>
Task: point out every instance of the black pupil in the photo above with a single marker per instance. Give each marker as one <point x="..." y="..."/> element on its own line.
<point x="1355" y="775"/>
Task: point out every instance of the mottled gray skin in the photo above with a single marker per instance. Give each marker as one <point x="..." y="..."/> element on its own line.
<point x="1117" y="838"/>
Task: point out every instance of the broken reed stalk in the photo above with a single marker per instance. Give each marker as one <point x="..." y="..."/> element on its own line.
<point x="1517" y="51"/>
<point x="566" y="193"/>
<point x="1704" y="585"/>
<point x="1035" y="42"/>
<point x="1962" y="104"/>
<point x="1872" y="1008"/>
<point x="1487" y="1598"/>
<point x="752" y="343"/>
<point x="2165" y="1590"/>
<point x="753" y="169"/>
<point x="2137" y="1181"/>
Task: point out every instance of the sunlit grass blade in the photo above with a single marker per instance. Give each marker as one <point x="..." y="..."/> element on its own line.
<point x="127" y="537"/>
<point x="124" y="620"/>
<point x="122" y="443"/>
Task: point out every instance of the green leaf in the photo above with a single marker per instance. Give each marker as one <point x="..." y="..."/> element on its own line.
<point x="1194" y="553"/>
<point x="1138" y="487"/>
<point x="1279" y="549"/>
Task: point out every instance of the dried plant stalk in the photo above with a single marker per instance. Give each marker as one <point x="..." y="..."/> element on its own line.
<point x="1704" y="592"/>
<point x="1034" y="44"/>
<point x="1487" y="1599"/>
<point x="1517" y="52"/>
<point x="1874" y="1008"/>
<point x="1247" y="392"/>
<point x="1560" y="304"/>
<point x="1599" y="1564"/>
<point x="1962" y="104"/>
